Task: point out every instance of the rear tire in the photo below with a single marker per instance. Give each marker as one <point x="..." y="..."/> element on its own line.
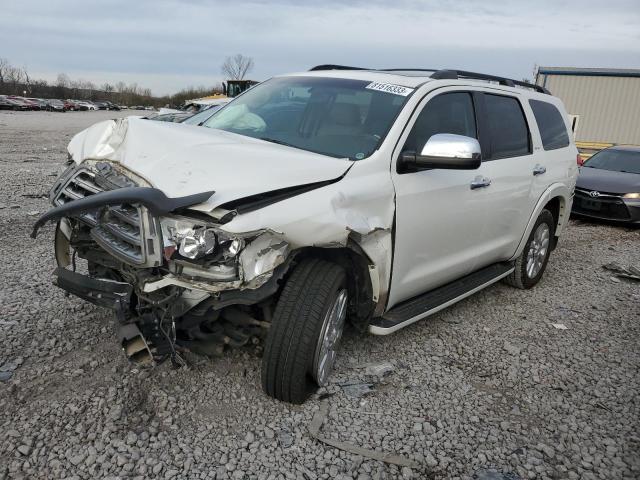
<point x="532" y="262"/>
<point x="315" y="289"/>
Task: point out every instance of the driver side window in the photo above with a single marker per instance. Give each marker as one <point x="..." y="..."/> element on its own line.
<point x="446" y="113"/>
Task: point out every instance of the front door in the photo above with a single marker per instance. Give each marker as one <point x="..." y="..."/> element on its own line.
<point x="440" y="219"/>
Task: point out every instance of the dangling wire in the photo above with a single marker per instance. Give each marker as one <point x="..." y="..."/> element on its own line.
<point x="176" y="359"/>
<point x="73" y="259"/>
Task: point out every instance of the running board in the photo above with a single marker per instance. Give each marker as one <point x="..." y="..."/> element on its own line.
<point x="422" y="306"/>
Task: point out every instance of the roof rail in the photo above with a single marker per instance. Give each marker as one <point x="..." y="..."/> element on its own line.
<point x="335" y="67"/>
<point x="456" y="74"/>
<point x="444" y="74"/>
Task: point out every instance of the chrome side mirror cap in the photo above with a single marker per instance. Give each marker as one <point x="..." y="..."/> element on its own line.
<point x="445" y="151"/>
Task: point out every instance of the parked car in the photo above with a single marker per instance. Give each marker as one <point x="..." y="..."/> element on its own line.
<point x="608" y="185"/>
<point x="285" y="215"/>
<point x="38" y="102"/>
<point x="54" y="105"/>
<point x="201" y="117"/>
<point x="73" y="105"/>
<point x="106" y="105"/>
<point x="201" y="104"/>
<point x="85" y="105"/>
<point x="175" y="117"/>
<point x="22" y="103"/>
<point x="6" y="104"/>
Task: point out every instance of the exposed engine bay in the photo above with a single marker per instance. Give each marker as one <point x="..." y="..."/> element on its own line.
<point x="174" y="277"/>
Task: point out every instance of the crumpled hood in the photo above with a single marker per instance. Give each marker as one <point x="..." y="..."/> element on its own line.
<point x="608" y="181"/>
<point x="184" y="160"/>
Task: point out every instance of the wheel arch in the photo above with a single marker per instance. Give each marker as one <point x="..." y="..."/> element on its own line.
<point x="556" y="199"/>
<point x="359" y="278"/>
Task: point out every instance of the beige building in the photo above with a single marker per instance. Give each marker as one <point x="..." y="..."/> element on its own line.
<point x="603" y="104"/>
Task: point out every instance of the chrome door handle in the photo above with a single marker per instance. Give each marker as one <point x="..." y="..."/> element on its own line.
<point x="539" y="170"/>
<point x="480" y="182"/>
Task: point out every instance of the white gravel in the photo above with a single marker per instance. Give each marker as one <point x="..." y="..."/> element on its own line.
<point x="487" y="388"/>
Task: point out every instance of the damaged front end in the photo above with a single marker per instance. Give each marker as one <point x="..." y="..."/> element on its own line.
<point x="175" y="278"/>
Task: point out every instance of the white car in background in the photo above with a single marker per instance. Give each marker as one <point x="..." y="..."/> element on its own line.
<point x="89" y="105"/>
<point x="334" y="195"/>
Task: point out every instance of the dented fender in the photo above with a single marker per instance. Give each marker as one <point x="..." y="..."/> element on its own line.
<point x="359" y="208"/>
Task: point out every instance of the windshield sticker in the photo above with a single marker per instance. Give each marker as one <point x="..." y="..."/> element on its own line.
<point x="390" y="88"/>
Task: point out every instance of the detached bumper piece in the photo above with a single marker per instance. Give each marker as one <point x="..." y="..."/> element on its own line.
<point x="104" y="293"/>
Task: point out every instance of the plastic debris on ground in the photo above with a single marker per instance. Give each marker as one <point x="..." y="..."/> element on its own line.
<point x="314" y="430"/>
<point x="630" y="272"/>
<point x="559" y="326"/>
<point x="357" y="390"/>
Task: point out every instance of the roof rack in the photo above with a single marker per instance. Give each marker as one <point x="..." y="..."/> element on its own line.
<point x="456" y="74"/>
<point x="336" y="67"/>
<point x="443" y="74"/>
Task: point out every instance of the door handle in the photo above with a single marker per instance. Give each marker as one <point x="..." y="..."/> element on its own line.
<point x="480" y="182"/>
<point x="539" y="170"/>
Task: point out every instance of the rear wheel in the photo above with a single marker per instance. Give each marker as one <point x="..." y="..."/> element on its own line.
<point x="301" y="347"/>
<point x="532" y="262"/>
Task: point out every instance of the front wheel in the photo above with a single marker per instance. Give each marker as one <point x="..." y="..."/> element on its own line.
<point x="300" y="349"/>
<point x="532" y="262"/>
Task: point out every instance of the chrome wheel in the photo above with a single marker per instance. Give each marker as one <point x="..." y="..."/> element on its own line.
<point x="330" y="334"/>
<point x="538" y="250"/>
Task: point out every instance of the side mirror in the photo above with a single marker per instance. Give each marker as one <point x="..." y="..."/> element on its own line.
<point x="444" y="150"/>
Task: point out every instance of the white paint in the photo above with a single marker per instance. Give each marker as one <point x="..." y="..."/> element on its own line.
<point x="443" y="229"/>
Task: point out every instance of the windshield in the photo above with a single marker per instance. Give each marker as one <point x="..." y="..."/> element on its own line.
<point x="614" y="160"/>
<point x="332" y="116"/>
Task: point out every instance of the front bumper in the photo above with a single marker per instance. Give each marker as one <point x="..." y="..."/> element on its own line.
<point x="606" y="207"/>
<point x="103" y="293"/>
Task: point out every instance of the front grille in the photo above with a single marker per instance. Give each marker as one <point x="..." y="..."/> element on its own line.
<point x="606" y="205"/>
<point x="80" y="185"/>
<point x="128" y="232"/>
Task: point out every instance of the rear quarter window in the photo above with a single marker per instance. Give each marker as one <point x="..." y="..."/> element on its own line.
<point x="551" y="125"/>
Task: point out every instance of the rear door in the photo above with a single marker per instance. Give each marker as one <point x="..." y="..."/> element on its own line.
<point x="556" y="155"/>
<point x="508" y="162"/>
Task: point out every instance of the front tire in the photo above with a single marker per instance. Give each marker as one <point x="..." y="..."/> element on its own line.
<point x="532" y="262"/>
<point x="300" y="348"/>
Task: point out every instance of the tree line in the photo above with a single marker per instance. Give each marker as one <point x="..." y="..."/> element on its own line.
<point x="17" y="81"/>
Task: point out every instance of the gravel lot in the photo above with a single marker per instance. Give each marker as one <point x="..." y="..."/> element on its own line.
<point x="486" y="388"/>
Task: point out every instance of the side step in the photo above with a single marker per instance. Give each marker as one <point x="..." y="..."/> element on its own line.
<point x="422" y="306"/>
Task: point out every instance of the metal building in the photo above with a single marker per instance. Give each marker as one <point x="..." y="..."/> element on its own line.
<point x="604" y="104"/>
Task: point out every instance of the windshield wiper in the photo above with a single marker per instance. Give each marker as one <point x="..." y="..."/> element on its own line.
<point x="279" y="142"/>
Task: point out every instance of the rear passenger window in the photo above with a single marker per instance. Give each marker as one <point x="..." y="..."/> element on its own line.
<point x="446" y="113"/>
<point x="507" y="127"/>
<point x="551" y="125"/>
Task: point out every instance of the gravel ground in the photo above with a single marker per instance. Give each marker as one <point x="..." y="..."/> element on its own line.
<point x="487" y="388"/>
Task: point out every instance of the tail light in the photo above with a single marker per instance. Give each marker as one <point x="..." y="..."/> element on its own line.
<point x="579" y="160"/>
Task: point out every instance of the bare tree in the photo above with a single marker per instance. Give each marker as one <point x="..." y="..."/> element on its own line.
<point x="63" y="80"/>
<point x="4" y="70"/>
<point x="237" y="66"/>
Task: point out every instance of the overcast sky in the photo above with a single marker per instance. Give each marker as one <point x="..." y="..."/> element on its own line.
<point x="170" y="44"/>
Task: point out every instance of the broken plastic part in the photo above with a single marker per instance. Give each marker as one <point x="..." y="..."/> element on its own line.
<point x="314" y="431"/>
<point x="260" y="257"/>
<point x="152" y="198"/>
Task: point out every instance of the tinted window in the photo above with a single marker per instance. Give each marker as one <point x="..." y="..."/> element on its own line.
<point x="551" y="125"/>
<point x="447" y="113"/>
<point x="507" y="127"/>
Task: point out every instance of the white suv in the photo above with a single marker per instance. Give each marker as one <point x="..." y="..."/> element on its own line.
<point x="378" y="197"/>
